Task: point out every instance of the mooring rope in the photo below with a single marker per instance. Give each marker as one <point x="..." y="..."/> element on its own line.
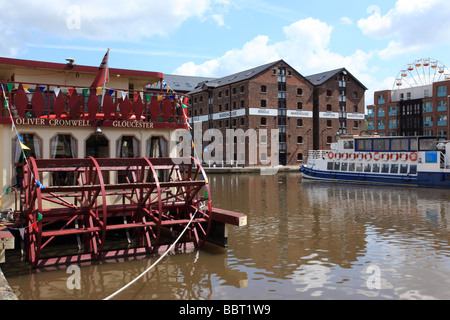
<point x="157" y="261"/>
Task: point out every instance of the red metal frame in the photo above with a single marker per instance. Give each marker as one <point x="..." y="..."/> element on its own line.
<point x="161" y="109"/>
<point x="158" y="196"/>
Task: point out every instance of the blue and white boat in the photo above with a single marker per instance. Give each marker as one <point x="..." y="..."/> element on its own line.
<point x="414" y="161"/>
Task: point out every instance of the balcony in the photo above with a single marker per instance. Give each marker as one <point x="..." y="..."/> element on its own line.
<point x="58" y="105"/>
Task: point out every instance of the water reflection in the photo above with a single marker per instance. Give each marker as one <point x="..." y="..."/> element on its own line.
<point x="304" y="240"/>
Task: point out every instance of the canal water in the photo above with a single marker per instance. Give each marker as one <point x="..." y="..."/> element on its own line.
<point x="304" y="240"/>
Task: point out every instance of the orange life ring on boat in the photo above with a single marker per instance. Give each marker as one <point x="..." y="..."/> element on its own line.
<point x="345" y="156"/>
<point x="394" y="156"/>
<point x="352" y="156"/>
<point x="413" y="156"/>
<point x="385" y="156"/>
<point x="376" y="156"/>
<point x="368" y="156"/>
<point x="330" y="155"/>
<point x="403" y="156"/>
<point x="360" y="156"/>
<point x="337" y="156"/>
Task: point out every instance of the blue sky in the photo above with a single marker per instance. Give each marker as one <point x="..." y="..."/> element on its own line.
<point x="374" y="40"/>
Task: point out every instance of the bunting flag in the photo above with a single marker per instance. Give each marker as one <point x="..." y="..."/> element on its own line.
<point x="57" y="91"/>
<point x="103" y="73"/>
<point x="24" y="147"/>
<point x="5" y="103"/>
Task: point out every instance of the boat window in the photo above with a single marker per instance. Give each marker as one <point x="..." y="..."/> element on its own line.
<point x="367" y="167"/>
<point x="351" y="166"/>
<point x="413" y="169"/>
<point x="31" y="146"/>
<point x="427" y="145"/>
<point x="404" y="168"/>
<point x="127" y="147"/>
<point x="348" y="144"/>
<point x="359" y="167"/>
<point x="157" y="147"/>
<point x="97" y="146"/>
<point x="381" y="144"/>
<point x="385" y="168"/>
<point x="394" y="168"/>
<point x="63" y="146"/>
<point x="364" y="145"/>
<point x="330" y="166"/>
<point x="344" y="166"/>
<point x="376" y="167"/>
<point x="399" y="145"/>
<point x="337" y="165"/>
<point x="413" y="145"/>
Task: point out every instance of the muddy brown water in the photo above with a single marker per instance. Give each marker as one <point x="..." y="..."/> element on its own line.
<point x="304" y="240"/>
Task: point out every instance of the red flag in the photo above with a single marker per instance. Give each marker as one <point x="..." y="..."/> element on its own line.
<point x="103" y="72"/>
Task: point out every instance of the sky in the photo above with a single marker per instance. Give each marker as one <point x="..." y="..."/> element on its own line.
<point x="373" y="40"/>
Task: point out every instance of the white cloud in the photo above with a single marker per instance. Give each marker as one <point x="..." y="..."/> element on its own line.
<point x="346" y="20"/>
<point x="305" y="47"/>
<point x="30" y="21"/>
<point x="252" y="54"/>
<point x="411" y="24"/>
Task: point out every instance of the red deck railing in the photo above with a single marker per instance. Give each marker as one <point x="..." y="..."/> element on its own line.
<point x="52" y="102"/>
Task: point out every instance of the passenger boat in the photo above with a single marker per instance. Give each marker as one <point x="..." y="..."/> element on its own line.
<point x="86" y="162"/>
<point x="413" y="161"/>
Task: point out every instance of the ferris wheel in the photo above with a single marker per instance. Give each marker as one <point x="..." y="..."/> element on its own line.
<point x="421" y="72"/>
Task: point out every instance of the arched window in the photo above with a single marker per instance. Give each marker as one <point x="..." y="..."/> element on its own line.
<point x="157" y="147"/>
<point x="63" y="146"/>
<point x="97" y="146"/>
<point x="127" y="147"/>
<point x="32" y="147"/>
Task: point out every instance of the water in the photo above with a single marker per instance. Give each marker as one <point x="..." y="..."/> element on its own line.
<point x="304" y="240"/>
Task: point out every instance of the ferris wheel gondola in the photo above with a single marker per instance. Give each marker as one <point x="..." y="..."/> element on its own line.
<point x="421" y="72"/>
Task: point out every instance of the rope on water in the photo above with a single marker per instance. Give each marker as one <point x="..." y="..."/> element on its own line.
<point x="149" y="268"/>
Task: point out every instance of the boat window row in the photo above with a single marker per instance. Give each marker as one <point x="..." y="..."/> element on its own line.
<point x="66" y="146"/>
<point x="393" y="168"/>
<point x="387" y="144"/>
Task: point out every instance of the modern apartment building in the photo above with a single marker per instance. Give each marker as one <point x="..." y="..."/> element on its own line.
<point x="416" y="111"/>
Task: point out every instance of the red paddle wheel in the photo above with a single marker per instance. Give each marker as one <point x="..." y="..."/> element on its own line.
<point x="154" y="200"/>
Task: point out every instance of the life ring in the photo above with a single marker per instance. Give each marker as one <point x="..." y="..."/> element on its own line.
<point x="385" y="156"/>
<point x="394" y="156"/>
<point x="403" y="156"/>
<point x="352" y="156"/>
<point x="368" y="156"/>
<point x="337" y="156"/>
<point x="360" y="156"/>
<point x="413" y="156"/>
<point x="330" y="155"/>
<point x="376" y="156"/>
<point x="345" y="156"/>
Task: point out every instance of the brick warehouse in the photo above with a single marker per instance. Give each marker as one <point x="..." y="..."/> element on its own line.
<point x="309" y="112"/>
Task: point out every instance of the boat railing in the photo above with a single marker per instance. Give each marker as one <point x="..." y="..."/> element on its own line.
<point x="54" y="101"/>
